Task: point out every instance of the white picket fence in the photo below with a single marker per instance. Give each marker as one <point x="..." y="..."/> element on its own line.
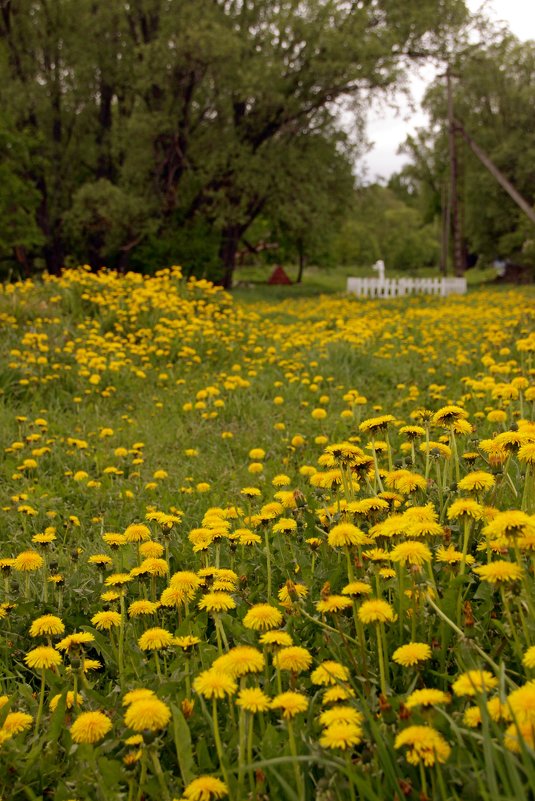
<point x="393" y="287"/>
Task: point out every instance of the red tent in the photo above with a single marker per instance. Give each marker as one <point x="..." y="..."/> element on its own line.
<point x="278" y="276"/>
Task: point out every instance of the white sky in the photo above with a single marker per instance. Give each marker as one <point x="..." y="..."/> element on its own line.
<point x="388" y="128"/>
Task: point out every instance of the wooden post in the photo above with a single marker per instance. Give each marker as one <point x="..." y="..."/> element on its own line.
<point x="458" y="246"/>
<point x="496" y="173"/>
<point x="445" y="229"/>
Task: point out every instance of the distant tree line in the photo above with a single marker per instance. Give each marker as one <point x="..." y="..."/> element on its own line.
<point x="134" y="133"/>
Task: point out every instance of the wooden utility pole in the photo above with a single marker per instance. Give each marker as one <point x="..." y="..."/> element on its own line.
<point x="459" y="261"/>
<point x="445" y="228"/>
<point x="496" y="173"/>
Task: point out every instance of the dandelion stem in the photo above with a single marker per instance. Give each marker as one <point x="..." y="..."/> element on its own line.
<point x="378" y="481"/>
<point x="380" y="657"/>
<point x="121" y="641"/>
<point x="509" y="616"/>
<point x="349" y="771"/>
<point x="268" y="564"/>
<point x="473" y="644"/>
<point x="41" y="702"/>
<point x="298" y="775"/>
<point x="157" y="664"/>
<point x="218" y="746"/>
<point x="423" y="781"/>
<point x="326" y="626"/>
<point x="159" y="774"/>
<point x="250" y="724"/>
<point x="350" y="572"/>
<point x="242" y="744"/>
<point x="142" y="776"/>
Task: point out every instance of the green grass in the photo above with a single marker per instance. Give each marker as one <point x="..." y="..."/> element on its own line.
<point x="250" y="283"/>
<point x="196" y="381"/>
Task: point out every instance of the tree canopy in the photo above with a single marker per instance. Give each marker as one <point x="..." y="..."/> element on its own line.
<point x="494" y="96"/>
<point x="137" y="126"/>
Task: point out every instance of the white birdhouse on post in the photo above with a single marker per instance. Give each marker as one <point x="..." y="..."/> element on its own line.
<point x="379" y="268"/>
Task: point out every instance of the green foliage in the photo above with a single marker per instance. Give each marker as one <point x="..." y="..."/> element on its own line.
<point x="493" y="97"/>
<point x="381" y="226"/>
<point x="198" y="113"/>
<point x="194" y="244"/>
<point x="19" y="199"/>
<point x="104" y="222"/>
<point x="189" y="379"/>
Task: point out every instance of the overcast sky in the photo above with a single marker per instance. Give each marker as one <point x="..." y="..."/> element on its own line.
<point x="388" y="128"/>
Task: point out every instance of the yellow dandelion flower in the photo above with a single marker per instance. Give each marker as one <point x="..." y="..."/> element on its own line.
<point x="240" y="661"/>
<point x="262" y="617"/>
<point x="28" y="561"/>
<point x="291" y="704"/>
<point x="74" y="641"/>
<point x="517" y="732"/>
<point x="427" y="696"/>
<point x="521" y="702"/>
<point x="329" y="672"/>
<point x="90" y="727"/>
<point x="205" y="788"/>
<point x="337" y="693"/>
<point x="376" y="611"/>
<point x="341" y="714"/>
<point x="477" y="481"/>
<point x="465" y="507"/>
<point x="42" y="658"/>
<point x="473" y="682"/>
<point x="448" y="415"/>
<point x="69" y="700"/>
<point x="137" y="532"/>
<point x="341" y="735"/>
<point x="151" y="550"/>
<point x="140" y="694"/>
<point x="15" y="722"/>
<point x="214" y="683"/>
<point x="356" y="588"/>
<point x="143" y="607"/>
<point x="117" y="579"/>
<point x="346" y="535"/>
<point x="46" y="625"/>
<point x="411" y="552"/>
<point x="252" y="699"/>
<point x="277" y="637"/>
<point x="294" y="658"/>
<point x="412" y="654"/>
<point x="334" y="604"/>
<point x="155" y="639"/>
<point x="217" y="602"/>
<point x="104" y="621"/>
<point x="374" y="424"/>
<point x="451" y="556"/>
<point x="147" y="714"/>
<point x="425" y="745"/>
<point x="528" y="660"/>
<point x="499" y="572"/>
<point x="187" y="642"/>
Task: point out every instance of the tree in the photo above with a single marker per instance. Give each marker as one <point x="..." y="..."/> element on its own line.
<point x="311" y="196"/>
<point x="19" y="200"/>
<point x="382" y="226"/>
<point x="192" y="107"/>
<point x="494" y="93"/>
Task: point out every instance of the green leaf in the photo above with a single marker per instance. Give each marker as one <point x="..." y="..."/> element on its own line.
<point x="182" y="738"/>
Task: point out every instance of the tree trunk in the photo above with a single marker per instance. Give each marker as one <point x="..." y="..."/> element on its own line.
<point x="53" y="253"/>
<point x="301" y="249"/>
<point x="459" y="259"/>
<point x="230" y="238"/>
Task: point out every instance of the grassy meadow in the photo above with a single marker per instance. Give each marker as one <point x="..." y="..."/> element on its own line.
<point x="265" y="546"/>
